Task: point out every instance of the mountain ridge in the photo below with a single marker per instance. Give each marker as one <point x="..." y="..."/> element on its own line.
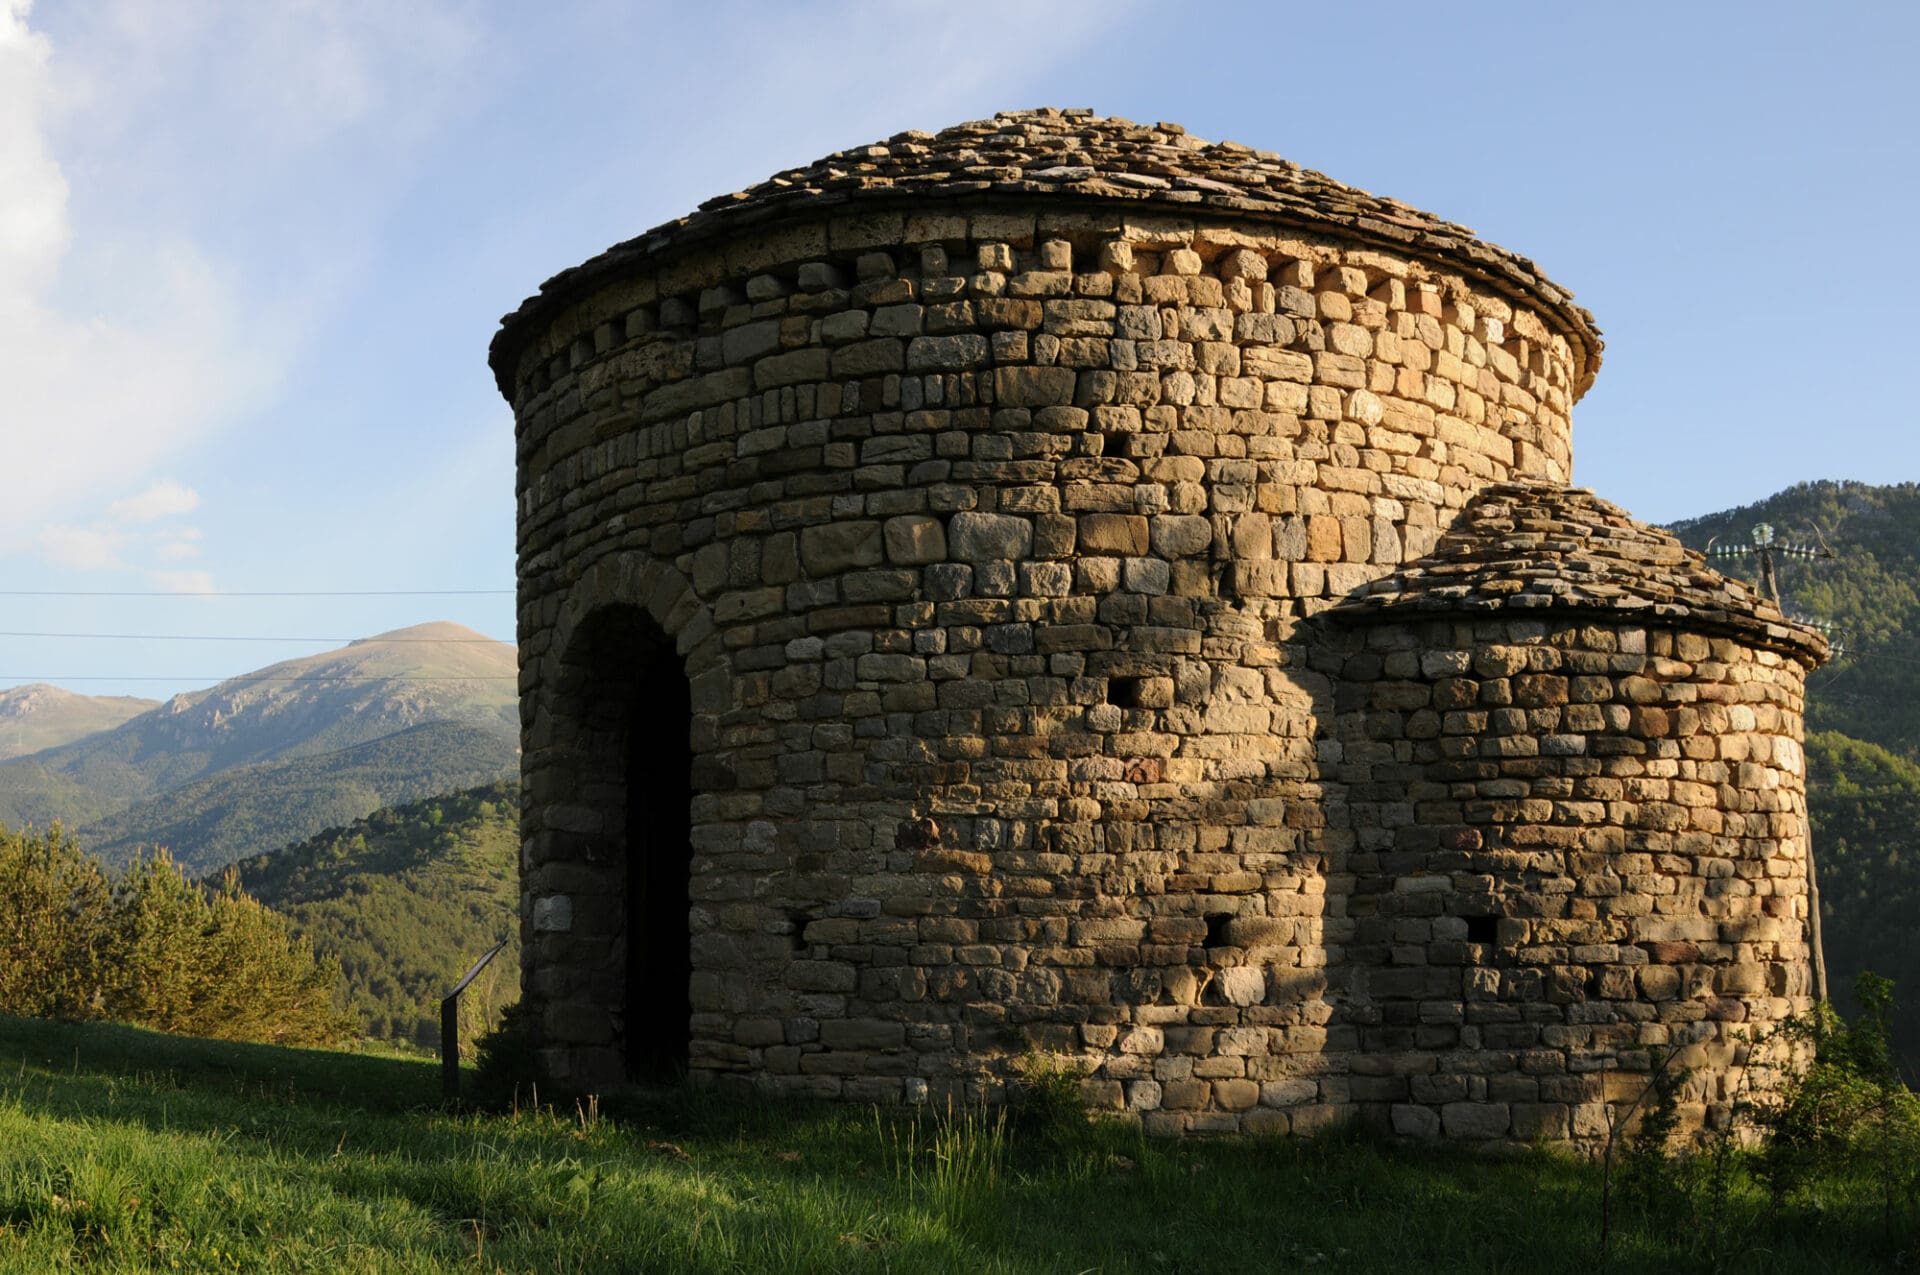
<point x="316" y="706"/>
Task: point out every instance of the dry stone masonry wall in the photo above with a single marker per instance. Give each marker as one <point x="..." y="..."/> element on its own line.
<point x="1027" y="511"/>
<point x="1572" y="757"/>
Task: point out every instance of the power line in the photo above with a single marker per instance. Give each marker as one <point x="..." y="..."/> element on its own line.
<point x="281" y="593"/>
<point x="248" y="677"/>
<point x="227" y="637"/>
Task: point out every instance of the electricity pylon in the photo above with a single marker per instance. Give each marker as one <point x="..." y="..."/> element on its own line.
<point x="1765" y="548"/>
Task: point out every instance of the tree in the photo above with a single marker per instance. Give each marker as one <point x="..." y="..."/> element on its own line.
<point x="53" y="908"/>
<point x="155" y="950"/>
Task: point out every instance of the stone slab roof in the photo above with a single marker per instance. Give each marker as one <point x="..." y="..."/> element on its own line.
<point x="1535" y="548"/>
<point x="1077" y="155"/>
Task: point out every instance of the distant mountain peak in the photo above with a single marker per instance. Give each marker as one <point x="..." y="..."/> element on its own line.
<point x="38" y="716"/>
<point x="431" y="631"/>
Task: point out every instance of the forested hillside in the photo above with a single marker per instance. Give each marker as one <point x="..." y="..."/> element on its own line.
<point x="1865" y="803"/>
<point x="212" y="822"/>
<point x="154" y="948"/>
<point x="405" y="899"/>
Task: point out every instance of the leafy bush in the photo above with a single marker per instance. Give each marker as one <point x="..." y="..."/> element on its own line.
<point x="154" y="949"/>
<point x="1847" y="1109"/>
<point x="1842" y="1130"/>
<point x="1050" y="1097"/>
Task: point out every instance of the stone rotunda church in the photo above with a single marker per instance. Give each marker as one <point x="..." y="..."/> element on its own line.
<point x="1060" y="586"/>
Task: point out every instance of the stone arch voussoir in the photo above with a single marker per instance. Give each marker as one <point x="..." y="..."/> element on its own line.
<point x="634" y="579"/>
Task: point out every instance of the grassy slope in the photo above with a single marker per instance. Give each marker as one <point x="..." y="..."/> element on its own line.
<point x="405" y="899"/>
<point x="123" y="1150"/>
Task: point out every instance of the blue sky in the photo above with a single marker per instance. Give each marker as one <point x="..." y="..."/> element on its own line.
<point x="251" y="254"/>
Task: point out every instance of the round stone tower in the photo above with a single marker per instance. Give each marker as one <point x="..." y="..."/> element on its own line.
<point x="1572" y="760"/>
<point x="926" y="559"/>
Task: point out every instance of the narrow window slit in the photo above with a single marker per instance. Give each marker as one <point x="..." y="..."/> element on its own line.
<point x="797" y="934"/>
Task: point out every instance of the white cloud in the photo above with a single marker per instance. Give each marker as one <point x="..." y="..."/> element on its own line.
<point x="82" y="548"/>
<point x="163" y="499"/>
<point x="33" y="193"/>
<point x="183" y="546"/>
<point x="181" y="581"/>
<point x="93" y="400"/>
<point x="135" y="323"/>
<point x="118" y="542"/>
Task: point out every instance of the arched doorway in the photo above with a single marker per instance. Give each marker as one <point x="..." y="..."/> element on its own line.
<point x="631" y="771"/>
<point x="659" y="864"/>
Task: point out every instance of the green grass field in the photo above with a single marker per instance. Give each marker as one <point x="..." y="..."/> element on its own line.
<point x="123" y="1150"/>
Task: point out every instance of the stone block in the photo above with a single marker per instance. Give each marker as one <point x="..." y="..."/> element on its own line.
<point x="862" y="1033"/>
<point x="1180" y="535"/>
<point x="1539" y="1121"/>
<point x="1120" y="535"/>
<point x="914" y="539"/>
<point x="870" y="358"/>
<point x="1411" y="1121"/>
<point x="791" y="369"/>
<point x="1235" y="1095"/>
<point x="1184" y="1095"/>
<point x="750" y="341"/>
<point x="947" y="353"/>
<point x="1033" y="386"/>
<point x="840" y="546"/>
<point x="758" y="1032"/>
<point x="978" y="537"/>
<point x="553" y="914"/>
<point x="1477" y="1121"/>
<point x="1243" y="985"/>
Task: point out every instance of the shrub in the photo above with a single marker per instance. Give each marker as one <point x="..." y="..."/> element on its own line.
<point x="1050" y="1099"/>
<point x="1848" y="1107"/>
<point x="504" y="1066"/>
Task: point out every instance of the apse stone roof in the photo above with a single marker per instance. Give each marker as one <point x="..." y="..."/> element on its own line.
<point x="1536" y="548"/>
<point x="1077" y="155"/>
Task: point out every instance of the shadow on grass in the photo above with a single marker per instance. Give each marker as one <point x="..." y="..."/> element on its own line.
<point x="366" y="1081"/>
<point x="266" y="1139"/>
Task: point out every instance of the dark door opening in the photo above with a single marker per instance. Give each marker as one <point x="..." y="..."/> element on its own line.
<point x="659" y="788"/>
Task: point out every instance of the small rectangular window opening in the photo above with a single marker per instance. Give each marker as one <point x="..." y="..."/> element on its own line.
<point x="1483" y="929"/>
<point x="1124" y="692"/>
<point x="796" y="935"/>
<point x="1217" y="928"/>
